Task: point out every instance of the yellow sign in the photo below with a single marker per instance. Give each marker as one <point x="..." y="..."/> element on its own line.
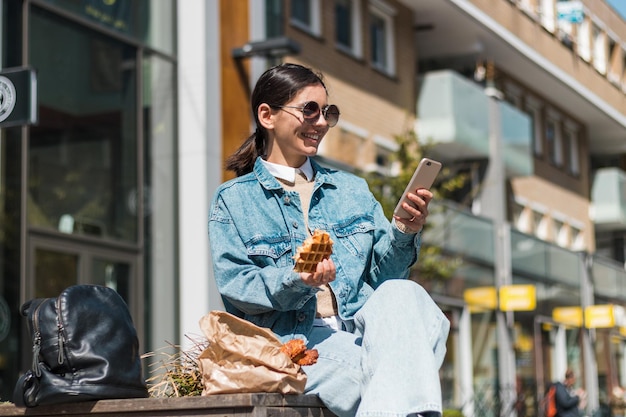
<point x="518" y="298"/>
<point x="600" y="316"/>
<point x="570" y="316"/>
<point x="481" y="298"/>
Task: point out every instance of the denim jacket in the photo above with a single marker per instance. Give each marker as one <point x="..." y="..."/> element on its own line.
<point x="255" y="227"/>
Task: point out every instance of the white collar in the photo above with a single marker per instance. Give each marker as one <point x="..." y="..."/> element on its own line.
<point x="289" y="173"/>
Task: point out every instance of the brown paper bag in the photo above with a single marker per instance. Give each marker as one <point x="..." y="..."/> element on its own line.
<point x="242" y="357"/>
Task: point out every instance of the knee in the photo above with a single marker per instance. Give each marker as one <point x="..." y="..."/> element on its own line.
<point x="401" y="288"/>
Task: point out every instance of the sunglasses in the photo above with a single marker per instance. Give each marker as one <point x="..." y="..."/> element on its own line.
<point x="311" y="112"/>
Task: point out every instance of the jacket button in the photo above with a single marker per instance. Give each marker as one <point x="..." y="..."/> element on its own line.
<point x="287" y="199"/>
<point x="301" y="317"/>
<point x="295" y="225"/>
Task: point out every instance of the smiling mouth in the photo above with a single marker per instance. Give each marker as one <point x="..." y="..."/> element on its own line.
<point x="311" y="136"/>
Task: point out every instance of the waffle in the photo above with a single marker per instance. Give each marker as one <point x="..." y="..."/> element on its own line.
<point x="299" y="354"/>
<point x="315" y="248"/>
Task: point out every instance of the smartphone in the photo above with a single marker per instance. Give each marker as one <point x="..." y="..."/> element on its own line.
<point x="424" y="176"/>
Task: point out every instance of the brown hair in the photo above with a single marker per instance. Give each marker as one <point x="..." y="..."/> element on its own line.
<point x="276" y="86"/>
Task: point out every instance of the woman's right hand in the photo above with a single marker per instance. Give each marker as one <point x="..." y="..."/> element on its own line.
<point x="324" y="274"/>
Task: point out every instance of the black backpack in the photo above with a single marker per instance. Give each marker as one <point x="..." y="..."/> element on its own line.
<point x="85" y="347"/>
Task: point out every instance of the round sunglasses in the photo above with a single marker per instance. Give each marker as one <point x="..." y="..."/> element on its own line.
<point x="311" y="112"/>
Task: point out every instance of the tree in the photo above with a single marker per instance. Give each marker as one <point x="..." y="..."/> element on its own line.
<point x="434" y="263"/>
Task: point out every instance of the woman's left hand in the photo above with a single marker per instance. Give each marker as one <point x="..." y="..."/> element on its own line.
<point x="324" y="274"/>
<point x="419" y="209"/>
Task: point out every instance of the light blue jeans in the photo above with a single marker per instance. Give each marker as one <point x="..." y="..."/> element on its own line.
<point x="389" y="365"/>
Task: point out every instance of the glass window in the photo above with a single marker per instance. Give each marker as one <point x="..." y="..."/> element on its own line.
<point x="151" y="22"/>
<point x="573" y="152"/>
<point x="562" y="233"/>
<point x="381" y="37"/>
<point x="274" y="18"/>
<point x="343" y="23"/>
<point x="578" y="239"/>
<point x="534" y="113"/>
<point x="529" y="6"/>
<point x="554" y="141"/>
<point x="599" y="50"/>
<point x="623" y="78"/>
<point x="347" y="26"/>
<point x="83" y="152"/>
<point x="522" y="218"/>
<point x="306" y="15"/>
<point x="54" y="271"/>
<point x="113" y="274"/>
<point x="379" y="42"/>
<point x="615" y="61"/>
<point x="542" y="225"/>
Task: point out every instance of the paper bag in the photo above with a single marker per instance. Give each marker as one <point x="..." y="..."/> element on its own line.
<point x="242" y="357"/>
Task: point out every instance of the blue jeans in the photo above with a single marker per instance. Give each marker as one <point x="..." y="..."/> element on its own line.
<point x="389" y="365"/>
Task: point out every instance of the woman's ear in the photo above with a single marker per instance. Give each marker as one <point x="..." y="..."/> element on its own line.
<point x="265" y="115"/>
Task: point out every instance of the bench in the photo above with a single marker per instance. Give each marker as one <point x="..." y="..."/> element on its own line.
<point x="222" y="405"/>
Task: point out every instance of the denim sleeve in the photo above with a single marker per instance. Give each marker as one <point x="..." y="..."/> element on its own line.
<point x="394" y="252"/>
<point x="248" y="287"/>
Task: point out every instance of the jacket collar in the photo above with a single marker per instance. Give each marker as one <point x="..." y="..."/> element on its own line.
<point x="269" y="182"/>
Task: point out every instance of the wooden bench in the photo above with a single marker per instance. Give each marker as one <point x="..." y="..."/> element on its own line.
<point x="223" y="405"/>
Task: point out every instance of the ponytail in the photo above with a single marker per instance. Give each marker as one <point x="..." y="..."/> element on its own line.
<point x="242" y="161"/>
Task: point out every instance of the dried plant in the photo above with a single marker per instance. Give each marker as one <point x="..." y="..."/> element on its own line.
<point x="175" y="371"/>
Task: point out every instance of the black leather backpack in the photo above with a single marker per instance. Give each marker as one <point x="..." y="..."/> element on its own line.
<point x="85" y="347"/>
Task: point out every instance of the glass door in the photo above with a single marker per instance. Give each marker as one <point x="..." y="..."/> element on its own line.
<point x="56" y="264"/>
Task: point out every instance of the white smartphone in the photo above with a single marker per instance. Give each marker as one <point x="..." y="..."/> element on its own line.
<point x="424" y="176"/>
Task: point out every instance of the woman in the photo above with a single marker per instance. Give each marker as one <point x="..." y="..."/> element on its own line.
<point x="380" y="337"/>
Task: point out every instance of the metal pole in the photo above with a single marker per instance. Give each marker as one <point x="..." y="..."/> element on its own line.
<point x="494" y="205"/>
<point x="588" y="335"/>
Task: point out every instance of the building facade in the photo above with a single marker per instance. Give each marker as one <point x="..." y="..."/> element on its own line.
<point x="139" y="102"/>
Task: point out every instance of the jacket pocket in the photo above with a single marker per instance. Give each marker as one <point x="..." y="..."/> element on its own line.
<point x="270" y="251"/>
<point x="356" y="234"/>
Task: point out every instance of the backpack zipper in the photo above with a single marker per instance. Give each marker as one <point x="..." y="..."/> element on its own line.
<point x="61" y="333"/>
<point x="36" y="342"/>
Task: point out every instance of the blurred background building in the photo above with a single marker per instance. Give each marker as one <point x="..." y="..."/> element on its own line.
<point x="138" y="103"/>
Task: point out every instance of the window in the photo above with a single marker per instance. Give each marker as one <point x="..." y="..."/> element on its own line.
<point x="513" y="95"/>
<point x="623" y="72"/>
<point x="522" y="217"/>
<point x="383" y="156"/>
<point x="599" y="50"/>
<point x="615" y="62"/>
<point x="547" y="15"/>
<point x="381" y="29"/>
<point x="584" y="40"/>
<point x="533" y="110"/>
<point x="347" y="26"/>
<point x="305" y="14"/>
<point x="554" y="139"/>
<point x="529" y="6"/>
<point x="573" y="152"/>
<point x="578" y="239"/>
<point x="542" y="225"/>
<point x="562" y="230"/>
<point x="347" y="145"/>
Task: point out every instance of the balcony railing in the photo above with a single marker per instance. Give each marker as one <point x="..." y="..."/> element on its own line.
<point x="461" y="233"/>
<point x="608" y="198"/>
<point x="453" y="114"/>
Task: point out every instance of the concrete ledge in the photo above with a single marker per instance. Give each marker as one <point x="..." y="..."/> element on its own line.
<point x="236" y="405"/>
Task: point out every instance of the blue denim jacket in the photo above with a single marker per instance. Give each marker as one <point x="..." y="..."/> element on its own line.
<point x="255" y="227"/>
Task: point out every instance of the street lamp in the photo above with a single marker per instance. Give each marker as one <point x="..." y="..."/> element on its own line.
<point x="268" y="48"/>
<point x="271" y="49"/>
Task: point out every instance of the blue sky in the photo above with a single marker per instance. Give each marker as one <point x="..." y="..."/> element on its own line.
<point x="619" y="5"/>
